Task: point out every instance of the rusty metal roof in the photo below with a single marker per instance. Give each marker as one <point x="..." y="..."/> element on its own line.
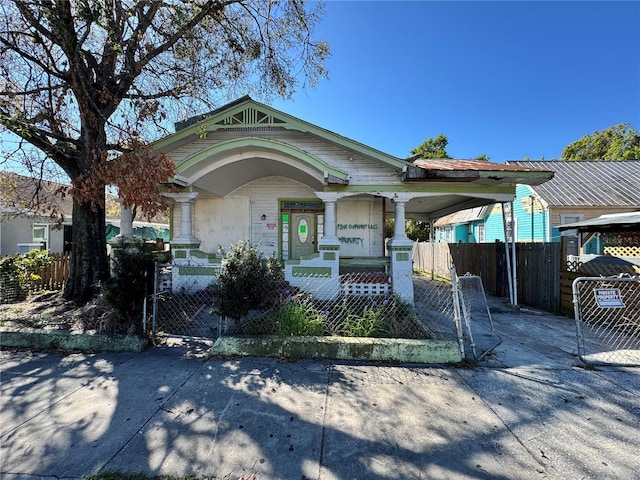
<point x="455" y="164"/>
<point x="475" y="170"/>
<point x="588" y="183"/>
<point x="461" y="217"/>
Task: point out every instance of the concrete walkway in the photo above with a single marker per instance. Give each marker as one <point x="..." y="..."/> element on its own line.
<point x="528" y="411"/>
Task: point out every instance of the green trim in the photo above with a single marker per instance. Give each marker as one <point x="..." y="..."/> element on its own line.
<point x="329" y="256"/>
<point x="311" y="272"/>
<point x="399" y="249"/>
<point x="313" y="256"/>
<point x="198" y="271"/>
<point x="328" y="247"/>
<point x="292" y="262"/>
<point x="288" y="122"/>
<point x="402" y="257"/>
<point x="422" y="188"/>
<point x="184" y="246"/>
<point x="364" y="261"/>
<point x="257" y="142"/>
<point x="180" y="254"/>
<point x="209" y="256"/>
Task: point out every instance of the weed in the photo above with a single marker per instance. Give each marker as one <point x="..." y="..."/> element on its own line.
<point x="298" y="317"/>
<point x="368" y="324"/>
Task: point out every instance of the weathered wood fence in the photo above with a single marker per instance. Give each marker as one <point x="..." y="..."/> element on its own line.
<point x="53" y="277"/>
<point x="538" y="268"/>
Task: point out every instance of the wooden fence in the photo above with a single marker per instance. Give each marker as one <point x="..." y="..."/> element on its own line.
<point x="53" y="277"/>
<point x="538" y="268"/>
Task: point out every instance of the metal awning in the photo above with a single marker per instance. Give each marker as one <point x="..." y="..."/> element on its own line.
<point x="617" y="222"/>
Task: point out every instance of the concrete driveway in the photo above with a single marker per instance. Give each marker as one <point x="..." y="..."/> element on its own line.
<point x="530" y="410"/>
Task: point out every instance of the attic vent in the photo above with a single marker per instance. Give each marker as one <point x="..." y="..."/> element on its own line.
<point x="250" y="116"/>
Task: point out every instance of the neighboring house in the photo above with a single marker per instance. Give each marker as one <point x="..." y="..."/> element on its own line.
<point x="620" y="235"/>
<point x="466" y="226"/>
<point x="579" y="190"/>
<point x="24" y="227"/>
<point x="315" y="199"/>
<point x="28" y="208"/>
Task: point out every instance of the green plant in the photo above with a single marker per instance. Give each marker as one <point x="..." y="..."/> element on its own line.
<point x="246" y="281"/>
<point x="370" y="323"/>
<point x="297" y="317"/>
<point x="131" y="281"/>
<point x="18" y="272"/>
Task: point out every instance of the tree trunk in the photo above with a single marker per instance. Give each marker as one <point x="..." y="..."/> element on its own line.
<point x="89" y="264"/>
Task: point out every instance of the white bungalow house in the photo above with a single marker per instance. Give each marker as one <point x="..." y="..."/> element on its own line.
<point x="316" y="199"/>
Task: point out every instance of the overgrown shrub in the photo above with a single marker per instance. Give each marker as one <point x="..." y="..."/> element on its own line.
<point x="246" y="282"/>
<point x="131" y="281"/>
<point x="18" y="272"/>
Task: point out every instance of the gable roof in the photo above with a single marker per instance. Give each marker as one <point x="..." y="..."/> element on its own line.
<point x="246" y="112"/>
<point x="588" y="183"/>
<point x="29" y="195"/>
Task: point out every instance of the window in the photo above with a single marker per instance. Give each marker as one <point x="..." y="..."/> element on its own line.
<point x="481" y="234"/>
<point x="41" y="234"/>
<point x="573" y="241"/>
<point x="448" y="234"/>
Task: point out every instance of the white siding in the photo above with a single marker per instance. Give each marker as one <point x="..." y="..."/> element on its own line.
<point x="360" y="228"/>
<point x="223" y="221"/>
<point x="362" y="170"/>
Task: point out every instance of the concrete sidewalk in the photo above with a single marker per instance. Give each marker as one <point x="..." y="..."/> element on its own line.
<point x="527" y="411"/>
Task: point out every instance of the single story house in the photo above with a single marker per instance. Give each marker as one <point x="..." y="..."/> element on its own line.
<point x="313" y="198"/>
<point x="24" y="227"/>
<point x="579" y="190"/>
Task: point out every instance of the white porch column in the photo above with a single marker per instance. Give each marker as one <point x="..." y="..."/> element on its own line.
<point x="126" y="236"/>
<point x="125" y="240"/>
<point x="330" y="218"/>
<point x="400" y="220"/>
<point x="186" y="200"/>
<point x="126" y="221"/>
<point x="400" y="250"/>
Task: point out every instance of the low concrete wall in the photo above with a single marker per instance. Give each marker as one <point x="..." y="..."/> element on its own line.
<point x="341" y="348"/>
<point x="54" y="339"/>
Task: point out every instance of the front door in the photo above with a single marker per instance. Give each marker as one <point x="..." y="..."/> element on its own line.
<point x="302" y="234"/>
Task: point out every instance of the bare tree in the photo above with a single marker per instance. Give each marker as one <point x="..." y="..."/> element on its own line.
<point x="89" y="81"/>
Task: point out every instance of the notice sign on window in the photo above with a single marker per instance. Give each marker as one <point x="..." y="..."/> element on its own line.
<point x="608" y="297"/>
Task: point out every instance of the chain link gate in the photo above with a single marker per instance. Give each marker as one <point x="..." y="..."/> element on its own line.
<point x="182" y="312"/>
<point x="607" y="315"/>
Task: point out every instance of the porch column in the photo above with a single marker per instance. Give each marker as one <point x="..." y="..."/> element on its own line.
<point x="126" y="221"/>
<point x="400" y="250"/>
<point x="186" y="200"/>
<point x="330" y="218"/>
<point x="125" y="240"/>
<point x="126" y="236"/>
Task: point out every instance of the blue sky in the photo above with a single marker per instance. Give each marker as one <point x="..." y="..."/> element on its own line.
<point x="509" y="79"/>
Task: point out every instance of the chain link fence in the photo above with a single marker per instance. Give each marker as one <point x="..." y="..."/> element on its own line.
<point x="607" y="315"/>
<point x="352" y="304"/>
<point x="10" y="289"/>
